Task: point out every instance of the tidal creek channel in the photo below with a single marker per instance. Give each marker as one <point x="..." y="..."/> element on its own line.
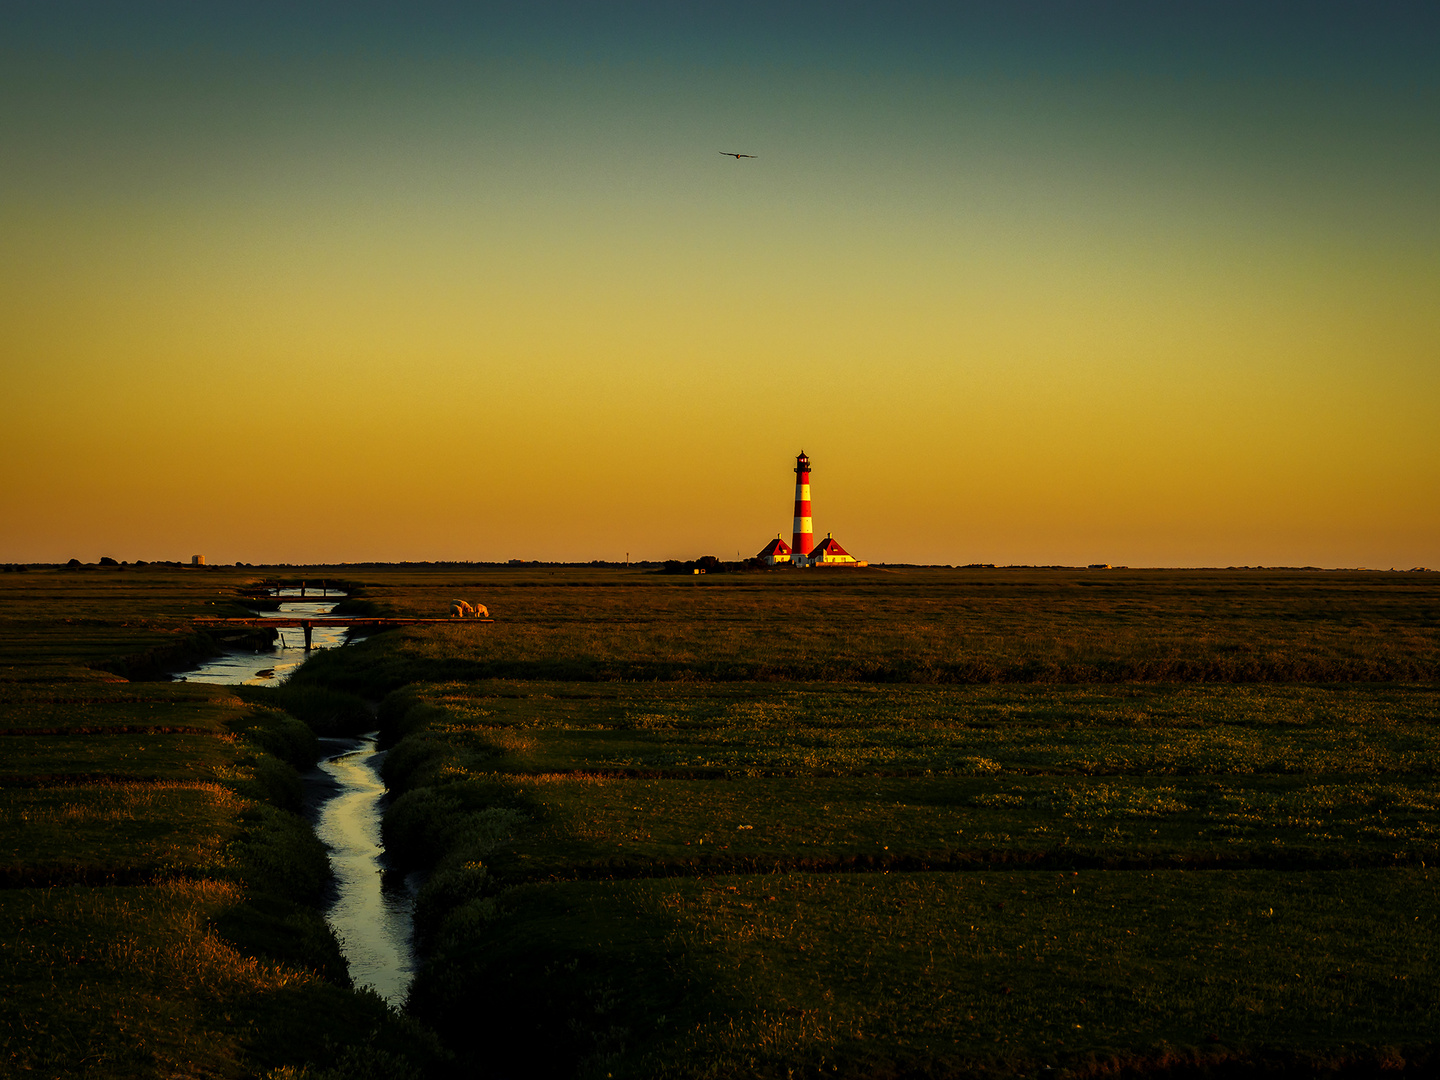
<point x="371" y="912"/>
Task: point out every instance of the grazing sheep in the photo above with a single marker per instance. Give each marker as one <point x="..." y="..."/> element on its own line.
<point x="459" y="609"/>
<point x="481" y="611"/>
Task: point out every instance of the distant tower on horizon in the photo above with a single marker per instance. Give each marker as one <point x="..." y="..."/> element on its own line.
<point x="804" y="537"/>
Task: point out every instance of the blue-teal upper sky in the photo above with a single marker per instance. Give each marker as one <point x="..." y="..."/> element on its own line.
<point x="1032" y="282"/>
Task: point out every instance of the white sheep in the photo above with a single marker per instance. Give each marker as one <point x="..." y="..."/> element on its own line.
<point x="459" y="609"/>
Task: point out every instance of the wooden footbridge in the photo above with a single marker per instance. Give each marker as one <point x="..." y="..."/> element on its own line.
<point x="307" y="623"/>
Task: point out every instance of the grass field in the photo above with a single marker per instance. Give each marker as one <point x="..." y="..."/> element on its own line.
<point x="159" y="897"/>
<point x="918" y="823"/>
<point x="884" y="974"/>
<point x="919" y="626"/>
<point x="894" y="823"/>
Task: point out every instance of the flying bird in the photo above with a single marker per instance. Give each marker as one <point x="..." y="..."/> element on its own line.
<point x="737" y="157"/>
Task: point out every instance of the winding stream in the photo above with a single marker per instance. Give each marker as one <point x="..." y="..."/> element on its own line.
<point x="371" y="917"/>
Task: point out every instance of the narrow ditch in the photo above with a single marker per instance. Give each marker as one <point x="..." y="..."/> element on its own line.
<point x="370" y="910"/>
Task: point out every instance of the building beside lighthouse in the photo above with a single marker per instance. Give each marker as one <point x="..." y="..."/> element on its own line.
<point x="802" y="550"/>
<point x="777" y="551"/>
<point x="829" y="553"/>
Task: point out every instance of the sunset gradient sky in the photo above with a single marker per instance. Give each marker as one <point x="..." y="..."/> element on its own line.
<point x="1152" y="284"/>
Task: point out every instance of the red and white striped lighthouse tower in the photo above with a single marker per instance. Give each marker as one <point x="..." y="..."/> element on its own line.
<point x="804" y="537"/>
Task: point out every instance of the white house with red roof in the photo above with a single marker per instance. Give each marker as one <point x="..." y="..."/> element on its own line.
<point x="777" y="551"/>
<point x="829" y="553"/>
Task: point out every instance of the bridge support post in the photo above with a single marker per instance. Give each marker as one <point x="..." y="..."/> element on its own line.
<point x="307" y="637"/>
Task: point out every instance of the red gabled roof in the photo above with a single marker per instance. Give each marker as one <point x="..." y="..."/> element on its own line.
<point x="774" y="547"/>
<point x="828" y="546"/>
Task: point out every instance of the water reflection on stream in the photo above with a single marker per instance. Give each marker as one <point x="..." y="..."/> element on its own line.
<point x="372" y="921"/>
<point x="271" y="667"/>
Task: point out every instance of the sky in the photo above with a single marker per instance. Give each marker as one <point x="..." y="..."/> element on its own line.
<point x="1145" y="284"/>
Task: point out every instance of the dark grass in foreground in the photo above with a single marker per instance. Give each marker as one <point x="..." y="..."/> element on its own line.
<point x="167" y="922"/>
<point x="720" y="876"/>
<point x="159" y="894"/>
<point x="872" y="974"/>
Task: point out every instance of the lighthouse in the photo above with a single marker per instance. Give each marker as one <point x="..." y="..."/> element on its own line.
<point x="804" y="536"/>
<point x="802" y="550"/>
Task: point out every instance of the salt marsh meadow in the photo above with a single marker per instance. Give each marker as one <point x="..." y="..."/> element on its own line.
<point x="907" y="822"/>
<point x="917" y="822"/>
